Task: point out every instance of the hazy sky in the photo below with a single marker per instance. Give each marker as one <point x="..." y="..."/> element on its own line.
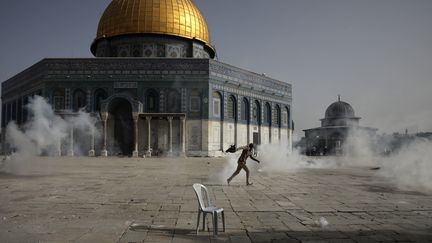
<point x="377" y="54"/>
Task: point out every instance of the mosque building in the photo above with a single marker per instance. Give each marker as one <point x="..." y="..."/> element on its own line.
<point x="156" y="88"/>
<point x="336" y="126"/>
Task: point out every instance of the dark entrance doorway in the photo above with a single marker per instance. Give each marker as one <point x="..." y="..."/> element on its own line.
<point x="121" y="114"/>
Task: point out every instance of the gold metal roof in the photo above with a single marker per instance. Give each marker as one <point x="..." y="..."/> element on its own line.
<point x="171" y="17"/>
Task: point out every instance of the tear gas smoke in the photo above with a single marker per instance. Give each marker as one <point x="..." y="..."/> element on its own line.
<point x="278" y="157"/>
<point x="40" y="134"/>
<point x="359" y="149"/>
<point x="45" y="132"/>
<point x="411" y="167"/>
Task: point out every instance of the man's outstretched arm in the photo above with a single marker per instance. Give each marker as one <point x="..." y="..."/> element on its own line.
<point x="253" y="158"/>
<point x="241" y="148"/>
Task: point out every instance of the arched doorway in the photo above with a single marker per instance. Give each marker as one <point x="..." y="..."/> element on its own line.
<point x="122" y="126"/>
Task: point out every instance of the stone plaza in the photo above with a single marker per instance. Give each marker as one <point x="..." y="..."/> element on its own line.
<point x="115" y="199"/>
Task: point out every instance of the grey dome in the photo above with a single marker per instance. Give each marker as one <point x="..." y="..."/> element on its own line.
<point x="339" y="109"/>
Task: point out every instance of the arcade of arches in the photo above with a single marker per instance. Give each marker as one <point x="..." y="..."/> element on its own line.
<point x="127" y="130"/>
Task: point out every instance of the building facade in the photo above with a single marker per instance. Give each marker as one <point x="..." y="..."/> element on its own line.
<point x="155" y="88"/>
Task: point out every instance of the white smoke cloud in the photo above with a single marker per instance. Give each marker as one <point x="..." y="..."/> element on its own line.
<point x="41" y="134"/>
<point x="45" y="131"/>
<point x="411" y="167"/>
<point x="278" y="157"/>
<point x="408" y="168"/>
<point x="359" y="149"/>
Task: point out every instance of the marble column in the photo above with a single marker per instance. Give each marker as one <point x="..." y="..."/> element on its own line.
<point x="183" y="133"/>
<point x="170" y="137"/>
<point x="135" y="118"/>
<point x="104" y="117"/>
<point x="71" y="142"/>
<point x="149" y="149"/>
<point x="91" y="152"/>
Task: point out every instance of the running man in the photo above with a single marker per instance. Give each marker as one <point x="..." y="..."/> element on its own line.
<point x="241" y="163"/>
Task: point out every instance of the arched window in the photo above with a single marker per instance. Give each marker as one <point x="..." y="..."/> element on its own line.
<point x="152" y="101"/>
<point x="232" y="108"/>
<point x="173" y="102"/>
<point x="277" y="116"/>
<point x="79" y="99"/>
<point x="58" y="98"/>
<point x="244" y="110"/>
<point x="256" y="112"/>
<point x="267" y="113"/>
<point x="217" y="104"/>
<point x="98" y="97"/>
<point x="195" y="101"/>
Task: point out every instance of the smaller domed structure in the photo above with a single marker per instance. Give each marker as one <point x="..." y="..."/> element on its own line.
<point x="338" y="121"/>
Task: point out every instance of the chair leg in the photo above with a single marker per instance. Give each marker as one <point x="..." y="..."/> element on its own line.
<point x="223" y="221"/>
<point x="204" y="216"/>
<point x="198" y="220"/>
<point x="215" y="223"/>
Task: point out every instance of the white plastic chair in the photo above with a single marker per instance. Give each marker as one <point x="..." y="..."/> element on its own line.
<point x="205" y="206"/>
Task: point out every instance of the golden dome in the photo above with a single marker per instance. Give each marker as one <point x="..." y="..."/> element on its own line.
<point x="169" y="17"/>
